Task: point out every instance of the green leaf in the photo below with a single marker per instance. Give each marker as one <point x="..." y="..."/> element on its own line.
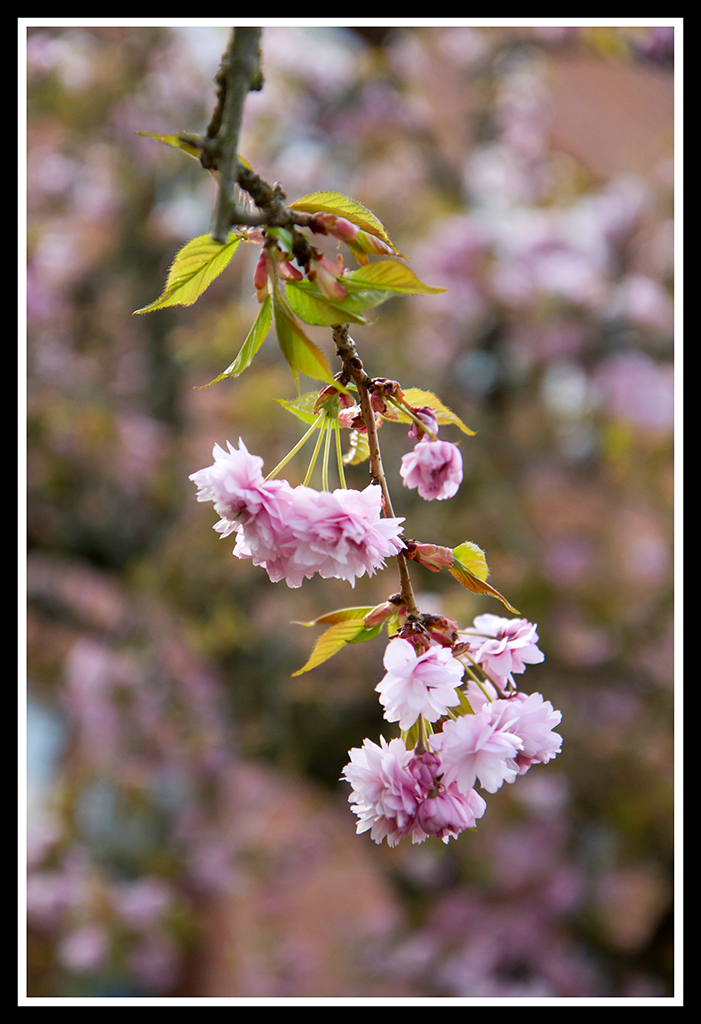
<point x="314" y="308"/>
<point x="256" y="337"/>
<point x="175" y="140"/>
<point x="342" y="206"/>
<point x="339" y="615"/>
<point x="331" y="641"/>
<point x="390" y="275"/>
<point x="182" y="142"/>
<point x="303" y="408"/>
<point x="444" y="415"/>
<point x="194" y="268"/>
<point x="470" y="569"/>
<point x="300" y="352"/>
<point x="472" y="556"/>
<point x="359" y="449"/>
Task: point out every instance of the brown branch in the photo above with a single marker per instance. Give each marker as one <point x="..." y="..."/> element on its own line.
<point x="354" y="370"/>
<point x="239" y="73"/>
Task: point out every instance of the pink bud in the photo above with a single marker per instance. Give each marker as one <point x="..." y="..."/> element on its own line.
<point x="260" y="276"/>
<point x="290" y="272"/>
<point x="373" y="244"/>
<point x="339" y="227"/>
<point x="326" y="275"/>
<point x="432" y="556"/>
<point x="379" y="614"/>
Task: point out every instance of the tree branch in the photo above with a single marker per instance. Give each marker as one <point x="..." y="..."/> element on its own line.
<point x="354" y="369"/>
<point x="239" y="73"/>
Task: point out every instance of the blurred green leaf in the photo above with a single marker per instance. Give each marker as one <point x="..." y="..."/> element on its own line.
<point x="358" y="450"/>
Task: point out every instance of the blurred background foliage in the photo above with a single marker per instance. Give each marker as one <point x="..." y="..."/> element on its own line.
<point x="188" y="834"/>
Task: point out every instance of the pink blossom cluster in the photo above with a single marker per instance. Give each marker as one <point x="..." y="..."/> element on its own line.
<point x="396" y="794"/>
<point x="429" y="791"/>
<point x="295" y="532"/>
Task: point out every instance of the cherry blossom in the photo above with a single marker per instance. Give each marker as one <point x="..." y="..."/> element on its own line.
<point x="473" y="747"/>
<point x="507" y="646"/>
<point x="397" y="794"/>
<point x="295" y="532"/>
<point x="434" y="468"/>
<point x="532" y="719"/>
<point x="418" y="684"/>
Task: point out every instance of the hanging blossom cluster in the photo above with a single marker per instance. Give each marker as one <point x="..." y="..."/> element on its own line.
<point x="451" y="693"/>
<point x="485" y="732"/>
<point x="296" y="532"/>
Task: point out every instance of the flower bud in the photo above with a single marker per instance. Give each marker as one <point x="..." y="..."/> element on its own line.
<point x="326" y="275"/>
<point x="433" y="556"/>
<point x="290" y="272"/>
<point x="261" y="277"/>
<point x="339" y="227"/>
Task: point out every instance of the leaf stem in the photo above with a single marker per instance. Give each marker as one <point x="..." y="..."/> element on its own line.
<point x="300" y="444"/>
<point x="339" y="453"/>
<point x="317" y="447"/>
<point x="325" y="463"/>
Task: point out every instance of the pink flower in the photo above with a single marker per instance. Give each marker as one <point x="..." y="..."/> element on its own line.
<point x="397" y="794"/>
<point x="295" y="532"/>
<point x="509" y="645"/>
<point x="473" y="747"/>
<point x="385" y="795"/>
<point x="418" y="684"/>
<point x="434" y="468"/>
<point x="532" y="719"/>
<point x="448" y="813"/>
<point x="428" y="419"/>
<point x="234" y="483"/>
<point x="339" y="534"/>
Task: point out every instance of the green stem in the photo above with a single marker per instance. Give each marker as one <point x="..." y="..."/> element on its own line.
<point x="325" y="463"/>
<point x="403" y="407"/>
<point x="317" y="447"/>
<point x="339" y="453"/>
<point x="300" y="444"/>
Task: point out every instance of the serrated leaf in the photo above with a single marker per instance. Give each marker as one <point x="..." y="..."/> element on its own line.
<point x="469" y="578"/>
<point x="302" y="355"/>
<point x="342" y="206"/>
<point x="389" y="275"/>
<point x="255" y="338"/>
<point x="331" y="641"/>
<point x="313" y="308"/>
<point x="194" y="268"/>
<point x="444" y="415"/>
<point x="303" y="408"/>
